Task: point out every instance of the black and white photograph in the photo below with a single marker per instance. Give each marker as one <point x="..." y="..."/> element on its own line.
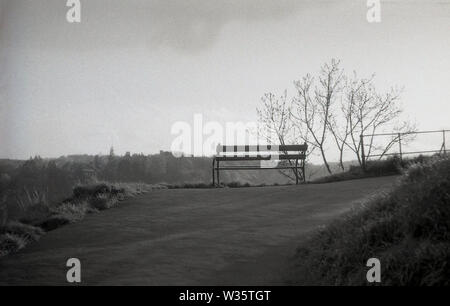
<point x="224" y="149"/>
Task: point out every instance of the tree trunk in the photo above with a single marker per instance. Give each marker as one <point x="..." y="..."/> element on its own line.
<point x="325" y="161"/>
<point x="341" y="157"/>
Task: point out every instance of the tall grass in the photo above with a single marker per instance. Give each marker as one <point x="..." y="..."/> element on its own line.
<point x="38" y="215"/>
<point x="408" y="229"/>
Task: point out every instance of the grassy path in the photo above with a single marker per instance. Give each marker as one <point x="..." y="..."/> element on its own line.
<point x="189" y="237"/>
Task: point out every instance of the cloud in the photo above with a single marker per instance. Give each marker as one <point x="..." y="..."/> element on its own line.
<point x="188" y="25"/>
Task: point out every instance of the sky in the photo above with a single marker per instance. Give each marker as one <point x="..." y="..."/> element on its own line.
<point x="131" y="69"/>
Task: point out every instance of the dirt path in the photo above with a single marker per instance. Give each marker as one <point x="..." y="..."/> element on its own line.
<point x="227" y="236"/>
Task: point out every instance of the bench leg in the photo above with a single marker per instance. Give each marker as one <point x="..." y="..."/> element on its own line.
<point x="218" y="177"/>
<point x="296" y="172"/>
<point x="304" y="171"/>
<point x="213" y="178"/>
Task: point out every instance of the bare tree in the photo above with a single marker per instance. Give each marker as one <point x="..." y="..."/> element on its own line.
<point x="275" y="121"/>
<point x="335" y="109"/>
<point x="314" y="103"/>
<point x="342" y="124"/>
<point x="403" y="132"/>
<point x="274" y="118"/>
<point x="367" y="112"/>
<point x="340" y="129"/>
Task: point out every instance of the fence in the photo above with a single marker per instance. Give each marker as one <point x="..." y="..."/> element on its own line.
<point x="399" y="139"/>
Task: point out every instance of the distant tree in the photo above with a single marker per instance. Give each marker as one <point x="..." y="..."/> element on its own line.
<point x="97" y="163"/>
<point x="111" y="153"/>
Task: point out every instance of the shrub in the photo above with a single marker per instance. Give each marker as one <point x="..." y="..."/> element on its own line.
<point x="408" y="229"/>
<point x="50" y="217"/>
<point x="375" y="168"/>
<point x="39" y="216"/>
<point x="72" y="211"/>
<point x="87" y="191"/>
<point x="28" y="232"/>
<point x="237" y="184"/>
<point x="103" y="201"/>
<point x="190" y="186"/>
<point x="390" y="166"/>
<point x="35" y="214"/>
<point x="53" y="222"/>
<point x="10" y="243"/>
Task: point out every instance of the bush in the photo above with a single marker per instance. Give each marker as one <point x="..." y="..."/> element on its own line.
<point x="237" y="185"/>
<point x="66" y="213"/>
<point x="74" y="211"/>
<point x="390" y="166"/>
<point x="87" y="191"/>
<point x="190" y="186"/>
<point x="15" y="235"/>
<point x="36" y="214"/>
<point x="408" y="229"/>
<point x="10" y="243"/>
<point x="50" y="217"/>
<point x="53" y="222"/>
<point x="28" y="232"/>
<point x="39" y="216"/>
<point x="375" y="168"/>
<point x="103" y="201"/>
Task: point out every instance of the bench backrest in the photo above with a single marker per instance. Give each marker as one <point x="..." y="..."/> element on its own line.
<point x="261" y="152"/>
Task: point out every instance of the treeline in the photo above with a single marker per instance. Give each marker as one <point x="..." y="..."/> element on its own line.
<point x="37" y="180"/>
<point x="57" y="176"/>
<point x="158" y="168"/>
<point x="24" y="183"/>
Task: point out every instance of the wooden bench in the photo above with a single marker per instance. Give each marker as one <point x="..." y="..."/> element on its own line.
<point x="294" y="157"/>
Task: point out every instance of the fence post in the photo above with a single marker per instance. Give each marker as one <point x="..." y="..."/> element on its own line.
<point x="400" y="145"/>
<point x="363" y="155"/>
<point x="443" y="142"/>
